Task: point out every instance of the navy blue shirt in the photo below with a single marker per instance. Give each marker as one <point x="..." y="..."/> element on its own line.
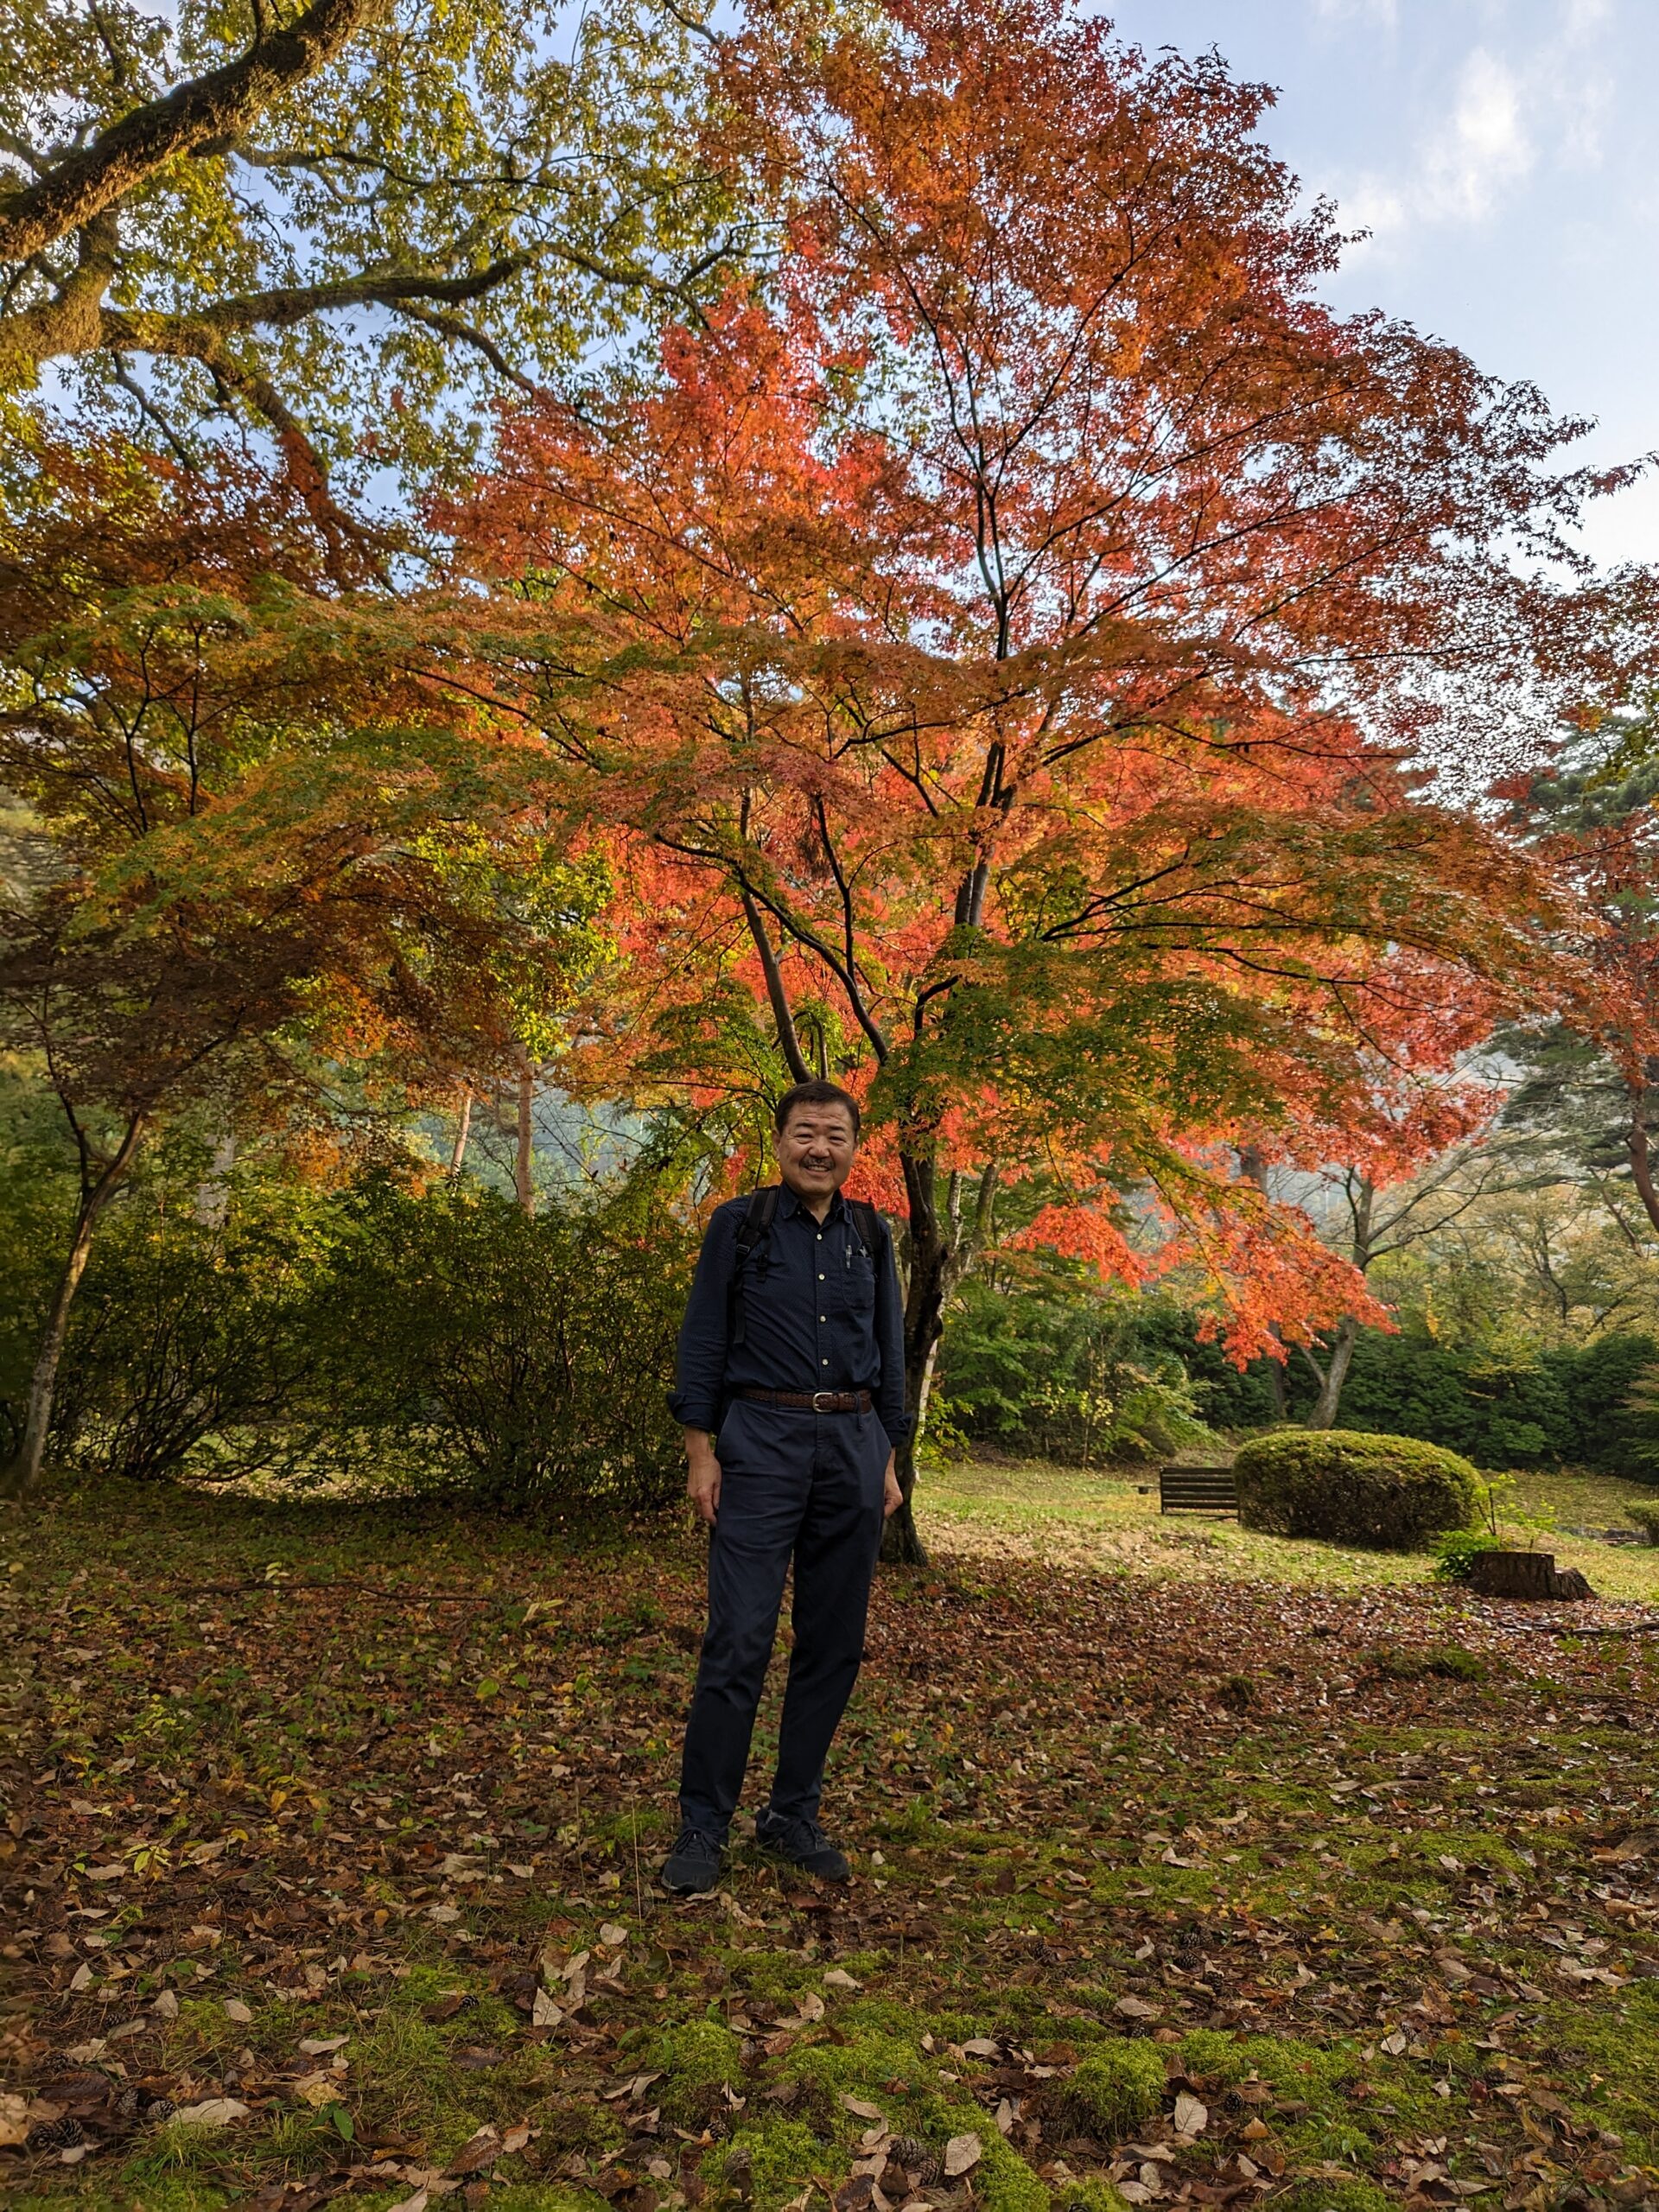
<point x="819" y="1313"/>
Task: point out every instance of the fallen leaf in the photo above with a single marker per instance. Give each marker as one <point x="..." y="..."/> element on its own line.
<point x="838" y="1978"/>
<point x="980" y="2047"/>
<point x="859" y="2109"/>
<point x="213" y="2112"/>
<point x="443" y="1912"/>
<point x="480" y="2151"/>
<point x="14" y="2117"/>
<point x="320" y="2046"/>
<point x="544" y="2013"/>
<point x="236" y="2010"/>
<point x="962" y="2154"/>
<point x="165" y="2006"/>
<point x="81" y="1979"/>
<point x="1192" y="2117"/>
<point x="1135" y="2008"/>
<point x="612" y="1935"/>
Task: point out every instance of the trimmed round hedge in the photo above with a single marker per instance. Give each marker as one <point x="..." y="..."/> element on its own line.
<point x="1390" y="1492"/>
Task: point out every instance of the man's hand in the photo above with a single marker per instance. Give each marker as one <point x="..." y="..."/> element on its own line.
<point x="703" y="1474"/>
<point x="894" y="1496"/>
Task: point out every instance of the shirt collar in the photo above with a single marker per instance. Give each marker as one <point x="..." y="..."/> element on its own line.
<point x="790" y="1203"/>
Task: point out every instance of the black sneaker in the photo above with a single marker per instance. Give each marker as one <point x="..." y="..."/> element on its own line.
<point x="693" y="1865"/>
<point x="803" y="1843"/>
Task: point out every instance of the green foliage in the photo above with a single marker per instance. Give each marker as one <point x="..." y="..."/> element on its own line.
<point x="519" y="1355"/>
<point x="191" y="1344"/>
<point x="440" y="1340"/>
<point x="535" y="183"/>
<point x="1054" y="1364"/>
<point x="1501" y="1403"/>
<point x="1390" y="1491"/>
<point x="1456" y="1551"/>
<point x="1119" y="2086"/>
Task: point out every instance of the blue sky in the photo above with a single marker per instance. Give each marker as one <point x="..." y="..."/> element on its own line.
<point x="1505" y="156"/>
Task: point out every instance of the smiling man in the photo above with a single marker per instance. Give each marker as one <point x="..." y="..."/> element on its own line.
<point x="792" y="1390"/>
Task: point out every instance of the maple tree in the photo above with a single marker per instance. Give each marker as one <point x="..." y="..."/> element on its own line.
<point x="260" y="863"/>
<point x="996" y="647"/>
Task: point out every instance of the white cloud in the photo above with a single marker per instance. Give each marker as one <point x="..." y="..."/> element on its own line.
<point x="1509" y="114"/>
<point x="1385" y="12"/>
<point x="1482" y="148"/>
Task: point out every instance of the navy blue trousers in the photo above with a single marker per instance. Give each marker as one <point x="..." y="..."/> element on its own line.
<point x="794" y="1485"/>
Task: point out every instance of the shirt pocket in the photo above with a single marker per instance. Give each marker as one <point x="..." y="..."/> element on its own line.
<point x="855" y="1293"/>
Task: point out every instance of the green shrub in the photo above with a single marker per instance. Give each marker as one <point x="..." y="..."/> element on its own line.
<point x="1456" y="1551"/>
<point x="520" y="1356"/>
<point x="1390" y="1491"/>
<point x="1646" y="1518"/>
<point x="1052" y="1364"/>
<point x="190" y="1345"/>
<point x="1119" y="2087"/>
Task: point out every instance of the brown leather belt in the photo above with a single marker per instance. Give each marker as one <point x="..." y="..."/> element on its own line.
<point x="815" y="1401"/>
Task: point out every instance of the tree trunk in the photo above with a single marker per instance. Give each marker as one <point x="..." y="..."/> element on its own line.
<point x="463" y="1130"/>
<point x="1641" y="1158"/>
<point x="523" y="1152"/>
<point x="213" y="1192"/>
<point x="901" y="1544"/>
<point x="1335" y="1373"/>
<point x="25" y="1470"/>
<point x="1253" y="1164"/>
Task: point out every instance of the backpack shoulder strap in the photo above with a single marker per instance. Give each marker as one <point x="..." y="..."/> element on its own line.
<point x="867" y="1222"/>
<point x="752" y="1233"/>
<point x="756" y="1224"/>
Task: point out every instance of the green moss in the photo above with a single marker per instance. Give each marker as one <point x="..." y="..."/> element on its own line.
<point x="697" y="2059"/>
<point x="1092" y="2195"/>
<point x="780" y="2156"/>
<point x="873" y="2058"/>
<point x="1119" y="2086"/>
<point x="1355" y="2196"/>
<point x="1003" y="2180"/>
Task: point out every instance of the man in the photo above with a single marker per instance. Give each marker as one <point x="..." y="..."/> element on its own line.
<point x="792" y="1390"/>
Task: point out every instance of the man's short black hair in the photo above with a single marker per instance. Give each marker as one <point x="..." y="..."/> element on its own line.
<point x="818" y="1092"/>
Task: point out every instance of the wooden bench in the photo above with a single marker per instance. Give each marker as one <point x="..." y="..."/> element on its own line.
<point x="1196" y="1490"/>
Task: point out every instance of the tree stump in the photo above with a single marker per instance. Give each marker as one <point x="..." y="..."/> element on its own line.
<point x="1525" y="1574"/>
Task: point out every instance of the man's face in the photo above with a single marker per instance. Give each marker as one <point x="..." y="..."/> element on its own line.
<point x="814" y="1149"/>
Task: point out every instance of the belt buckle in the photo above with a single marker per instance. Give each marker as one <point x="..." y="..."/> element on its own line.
<point x="819" y="1397"/>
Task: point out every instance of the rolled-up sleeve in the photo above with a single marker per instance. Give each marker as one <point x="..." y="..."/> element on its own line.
<point x="700" y="1365"/>
<point x="890" y="1407"/>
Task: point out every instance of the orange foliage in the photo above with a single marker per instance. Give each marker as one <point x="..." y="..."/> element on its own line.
<point x="1002" y="640"/>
